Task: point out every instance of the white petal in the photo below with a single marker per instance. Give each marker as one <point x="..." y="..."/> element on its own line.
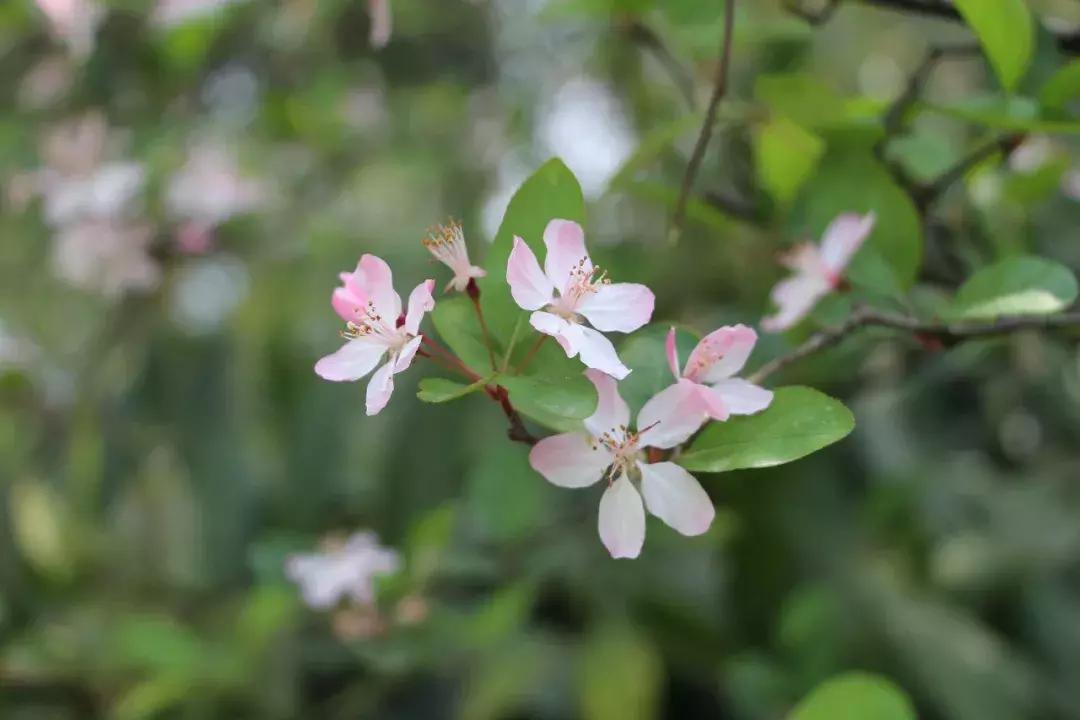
<point x="420" y="302"/>
<point x="672" y="415"/>
<point x="721" y="353"/>
<point x="406" y="355"/>
<point x="597" y="352"/>
<point x="622" y="520"/>
<point x="621" y="307"/>
<point x="570" y="460"/>
<point x="529" y="285"/>
<point x="676" y="497"/>
<point x="742" y="397"/>
<point x="352" y="361"/>
<point x="611" y="410"/>
<point x="568" y="334"/>
<point x="380" y="388"/>
<point x="565" y="241"/>
<point x="843" y="238"/>
<point x="795" y="298"/>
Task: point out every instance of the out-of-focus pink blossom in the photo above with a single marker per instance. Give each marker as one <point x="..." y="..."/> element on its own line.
<point x="108" y="256"/>
<point x="447" y="244"/>
<point x="818" y="272"/>
<point x="46" y="83"/>
<point x="73" y="22"/>
<point x="78" y="182"/>
<point x="381" y="23"/>
<point x="344" y="571"/>
<point x="707" y="387"/>
<point x="570" y="289"/>
<point x="169" y="13"/>
<point x="207" y="191"/>
<point x="375" y="328"/>
<point x="609" y="450"/>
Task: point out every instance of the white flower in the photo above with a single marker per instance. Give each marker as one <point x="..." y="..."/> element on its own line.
<point x="447" y="244"/>
<point x="345" y="571"/>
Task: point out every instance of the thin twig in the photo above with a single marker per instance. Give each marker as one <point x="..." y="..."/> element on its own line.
<point x="641" y="34"/>
<point x="927" y="194"/>
<point x="719" y="88"/>
<point x="945" y="333"/>
<point x="814" y="17"/>
<point x="517" y="431"/>
<point x="532" y="352"/>
<point x="474" y="294"/>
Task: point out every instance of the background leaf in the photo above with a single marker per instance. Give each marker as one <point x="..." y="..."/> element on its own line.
<point x="855" y="696"/>
<point x="1016" y="286"/>
<point x="1006" y="31"/>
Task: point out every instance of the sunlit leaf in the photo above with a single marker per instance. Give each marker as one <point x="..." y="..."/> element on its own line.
<point x="1006" y="31"/>
<point x="1024" y="285"/>
<point x="1063" y="86"/>
<point x="855" y="696"/>
<point x="798" y="422"/>
<point x="786" y="154"/>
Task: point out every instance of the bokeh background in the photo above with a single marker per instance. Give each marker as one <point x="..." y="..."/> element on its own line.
<point x="165" y="445"/>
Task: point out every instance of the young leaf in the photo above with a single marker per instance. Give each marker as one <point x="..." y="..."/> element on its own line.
<point x="440" y="390"/>
<point x="855" y="696"/>
<point x="798" y="422"/>
<point x="1024" y="285"/>
<point x="1007" y="33"/>
<point x="786" y="154"/>
<point x="557" y="402"/>
<point x="551" y="192"/>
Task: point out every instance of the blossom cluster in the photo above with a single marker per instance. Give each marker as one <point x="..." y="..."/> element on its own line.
<point x="572" y="300"/>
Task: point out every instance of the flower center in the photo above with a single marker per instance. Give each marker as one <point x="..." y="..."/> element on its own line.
<point x="585" y="279"/>
<point x="447" y="244"/>
<point x="623" y="445"/>
<point x="372" y="325"/>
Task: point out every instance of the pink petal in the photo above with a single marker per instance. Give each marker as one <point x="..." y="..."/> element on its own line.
<point x="381" y="23"/>
<point x="348" y="305"/>
<point x="843" y="238"/>
<point x="597" y="352"/>
<point x="611" y="409"/>
<point x="671" y="416"/>
<point x="622" y="520"/>
<point x="530" y="287"/>
<point x="568" y="334"/>
<point x="742" y="397"/>
<point x="673" y="495"/>
<point x="420" y="302"/>
<point x="352" y="361"/>
<point x="673" y="354"/>
<point x="795" y="298"/>
<point x="380" y="388"/>
<point x="720" y="354"/>
<point x="376" y="282"/>
<point x="622" y="307"/>
<point x="570" y="460"/>
<point x="713" y="403"/>
<point x="565" y="241"/>
<point x="405" y="356"/>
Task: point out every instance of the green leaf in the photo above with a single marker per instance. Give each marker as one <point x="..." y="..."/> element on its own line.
<point x="1063" y="86"/>
<point x="559" y="402"/>
<point x="798" y="422"/>
<point x="850" y="179"/>
<point x="440" y="390"/>
<point x="645" y="354"/>
<point x="786" y="154"/>
<point x="1016" y="114"/>
<point x="506" y="498"/>
<point x="38" y="521"/>
<point x="855" y="696"/>
<point x="620" y="676"/>
<point x="800" y="96"/>
<point x="552" y="192"/>
<point x="1024" y="285"/>
<point x="1007" y="33"/>
<point x="456" y="322"/>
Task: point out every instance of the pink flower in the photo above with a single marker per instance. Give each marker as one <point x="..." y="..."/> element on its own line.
<point x="381" y="23"/>
<point x="817" y="272"/>
<point x="706" y="388"/>
<point x="344" y="571"/>
<point x="374" y="328"/>
<point x="74" y="22"/>
<point x="109" y="256"/>
<point x="447" y="244"/>
<point x="210" y="188"/>
<point x="571" y="289"/>
<point x="611" y="451"/>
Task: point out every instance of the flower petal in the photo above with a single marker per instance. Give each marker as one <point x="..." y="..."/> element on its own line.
<point x="611" y="409"/>
<point x="565" y="241"/>
<point x="381" y="23"/>
<point x="720" y="354"/>
<point x="528" y="284"/>
<point x="570" y="460"/>
<point x="622" y="520"/>
<point x="568" y="334"/>
<point x="676" y="497"/>
<point x="843" y="238"/>
<point x="376" y="281"/>
<point x="352" y="361"/>
<point x="420" y="302"/>
<point x="597" y="352"/>
<point x="405" y="356"/>
<point x="380" y="388"/>
<point x="672" y="350"/>
<point x="672" y="415"/>
<point x="621" y="307"/>
<point x="348" y="305"/>
<point x="742" y="397"/>
<point x="795" y="298"/>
